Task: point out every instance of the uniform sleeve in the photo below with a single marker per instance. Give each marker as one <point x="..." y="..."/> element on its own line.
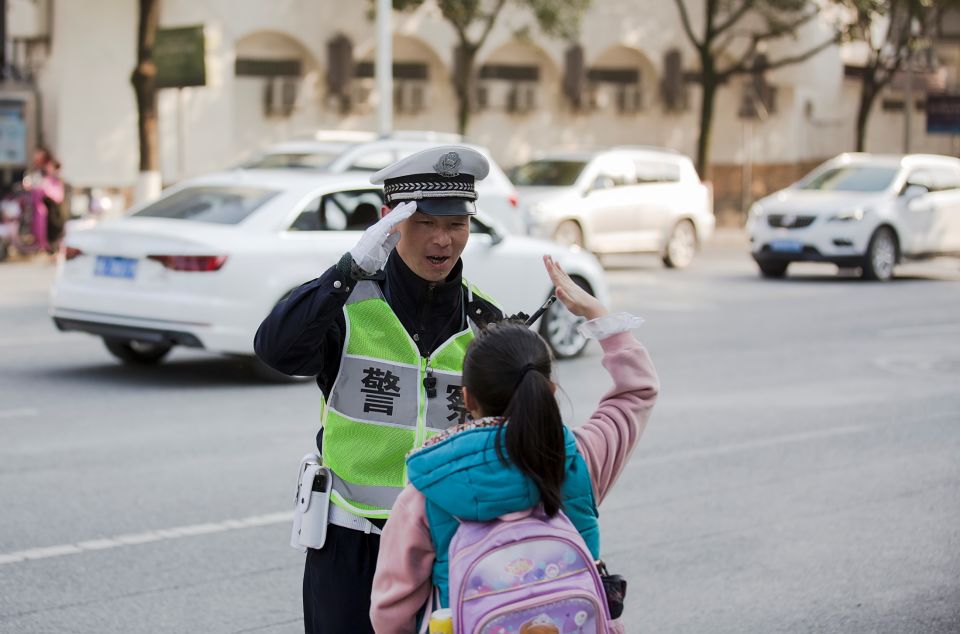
<point x="306" y="330"/>
<point x="608" y="438"/>
<point x="402" y="582"/>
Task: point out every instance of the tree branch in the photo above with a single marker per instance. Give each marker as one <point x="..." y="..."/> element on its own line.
<point x="735" y="16"/>
<point x="741" y="68"/>
<point x="686" y="23"/>
<point x="491" y="19"/>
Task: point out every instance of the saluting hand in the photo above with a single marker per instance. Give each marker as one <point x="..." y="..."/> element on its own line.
<point x="380" y="238"/>
<point x="575" y="298"/>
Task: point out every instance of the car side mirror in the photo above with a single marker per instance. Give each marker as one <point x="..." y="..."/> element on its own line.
<point x="483" y="228"/>
<point x="912" y="191"/>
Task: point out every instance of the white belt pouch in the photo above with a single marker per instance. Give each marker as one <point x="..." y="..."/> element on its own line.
<point x="312" y="505"/>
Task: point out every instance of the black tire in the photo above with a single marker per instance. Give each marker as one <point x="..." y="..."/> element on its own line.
<point x="266" y="373"/>
<point x="773" y="270"/>
<point x="881" y="256"/>
<point x="137" y="352"/>
<point x="559" y="328"/>
<point x="4" y="250"/>
<point x="569" y="233"/>
<point x="681" y="246"/>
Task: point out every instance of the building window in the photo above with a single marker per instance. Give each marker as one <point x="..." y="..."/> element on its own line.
<point x="508" y="87"/>
<point x="618" y="89"/>
<point x="411" y="86"/>
<point x="281" y="82"/>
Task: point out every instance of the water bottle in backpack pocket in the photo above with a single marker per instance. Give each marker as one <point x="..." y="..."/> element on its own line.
<point x="533" y="575"/>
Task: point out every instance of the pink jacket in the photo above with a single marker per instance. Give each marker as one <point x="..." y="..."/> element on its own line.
<point x="402" y="583"/>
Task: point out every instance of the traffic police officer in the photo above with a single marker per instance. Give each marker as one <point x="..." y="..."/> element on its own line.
<point x="384" y="331"/>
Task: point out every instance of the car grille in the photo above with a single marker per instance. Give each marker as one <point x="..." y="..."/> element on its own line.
<point x="788" y="221"/>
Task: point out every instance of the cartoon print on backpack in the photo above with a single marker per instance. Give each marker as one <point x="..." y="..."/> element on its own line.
<point x="543" y="624"/>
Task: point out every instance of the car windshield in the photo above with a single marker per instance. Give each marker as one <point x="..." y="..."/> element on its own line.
<point x="852" y="178"/>
<point x="547" y="173"/>
<point x="218" y="205"/>
<point x="288" y="160"/>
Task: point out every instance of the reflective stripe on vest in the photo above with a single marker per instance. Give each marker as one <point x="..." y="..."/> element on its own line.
<point x="378" y="410"/>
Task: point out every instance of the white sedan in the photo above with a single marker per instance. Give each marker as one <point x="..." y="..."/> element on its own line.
<point x="861" y="210"/>
<point x="202" y="266"/>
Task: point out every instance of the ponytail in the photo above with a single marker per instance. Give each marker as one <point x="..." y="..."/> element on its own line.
<point x="507" y="369"/>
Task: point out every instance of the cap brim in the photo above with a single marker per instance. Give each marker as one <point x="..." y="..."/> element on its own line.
<point x="446" y="206"/>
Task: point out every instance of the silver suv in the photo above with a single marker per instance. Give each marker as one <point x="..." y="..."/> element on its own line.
<point x="621" y="200"/>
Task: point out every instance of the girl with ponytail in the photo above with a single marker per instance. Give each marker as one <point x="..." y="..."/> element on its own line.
<point x="514" y="453"/>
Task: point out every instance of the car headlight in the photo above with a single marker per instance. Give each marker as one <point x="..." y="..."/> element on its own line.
<point x="847" y="216"/>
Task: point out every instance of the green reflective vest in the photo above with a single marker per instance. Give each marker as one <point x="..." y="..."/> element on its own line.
<point x="379" y="408"/>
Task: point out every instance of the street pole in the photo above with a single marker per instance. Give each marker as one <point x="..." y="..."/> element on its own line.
<point x="3" y="40"/>
<point x="383" y="69"/>
<point x="908" y="102"/>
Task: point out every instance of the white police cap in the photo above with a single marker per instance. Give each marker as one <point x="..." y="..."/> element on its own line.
<point x="440" y="179"/>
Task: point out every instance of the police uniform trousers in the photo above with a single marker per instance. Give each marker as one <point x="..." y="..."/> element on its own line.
<point x="337" y="582"/>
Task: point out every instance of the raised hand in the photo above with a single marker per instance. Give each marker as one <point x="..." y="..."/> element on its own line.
<point x="575" y="298"/>
<point x="371" y="251"/>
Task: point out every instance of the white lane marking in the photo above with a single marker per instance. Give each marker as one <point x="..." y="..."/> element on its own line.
<point x="920" y="329"/>
<point x="147" y="537"/>
<point x="752" y="444"/>
<point x="18" y="413"/>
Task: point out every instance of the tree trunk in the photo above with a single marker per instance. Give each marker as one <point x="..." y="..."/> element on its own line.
<point x="144" y="80"/>
<point x="464" y="84"/>
<point x="709" y="84"/>
<point x="868" y="94"/>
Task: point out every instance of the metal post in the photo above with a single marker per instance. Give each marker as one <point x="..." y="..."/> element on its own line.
<point x="181" y="134"/>
<point x="383" y="69"/>
<point x="908" y="101"/>
<point x="3" y="40"/>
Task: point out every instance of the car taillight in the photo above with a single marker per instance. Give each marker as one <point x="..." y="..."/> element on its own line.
<point x="70" y="253"/>
<point x="190" y="262"/>
<point x="512" y="199"/>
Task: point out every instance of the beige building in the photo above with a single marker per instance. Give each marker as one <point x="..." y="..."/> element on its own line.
<point x="279" y="69"/>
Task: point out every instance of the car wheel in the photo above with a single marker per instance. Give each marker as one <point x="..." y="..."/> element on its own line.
<point x="881" y="256"/>
<point x="569" y="233"/>
<point x="773" y="269"/>
<point x="681" y="246"/>
<point x="266" y="373"/>
<point x="559" y="328"/>
<point x="137" y="352"/>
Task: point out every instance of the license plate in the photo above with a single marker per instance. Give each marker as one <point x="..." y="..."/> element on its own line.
<point x="112" y="266"/>
<point x="786" y="246"/>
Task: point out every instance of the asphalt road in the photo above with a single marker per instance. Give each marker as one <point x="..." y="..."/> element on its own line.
<point x="799" y="474"/>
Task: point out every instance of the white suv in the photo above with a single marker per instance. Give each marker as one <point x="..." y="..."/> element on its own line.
<point x="622" y="200"/>
<point x="336" y="151"/>
<point x="861" y="210"/>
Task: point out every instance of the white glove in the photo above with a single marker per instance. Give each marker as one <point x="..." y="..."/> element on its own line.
<point x="371" y="251"/>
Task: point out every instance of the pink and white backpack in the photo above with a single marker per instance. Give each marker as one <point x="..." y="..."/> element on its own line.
<point x="533" y="575"/>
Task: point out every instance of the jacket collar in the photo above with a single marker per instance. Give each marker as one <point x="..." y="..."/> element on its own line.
<point x="402" y="282"/>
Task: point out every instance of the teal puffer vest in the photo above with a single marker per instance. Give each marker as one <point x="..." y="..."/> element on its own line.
<point x="462" y="477"/>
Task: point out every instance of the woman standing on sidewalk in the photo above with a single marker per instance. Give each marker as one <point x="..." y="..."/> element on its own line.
<point x="509" y="392"/>
<point x="44" y="194"/>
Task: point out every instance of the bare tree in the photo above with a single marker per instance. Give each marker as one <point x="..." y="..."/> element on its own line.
<point x="144" y="80"/>
<point x="740" y="28"/>
<point x="473" y="20"/>
<point x="908" y="25"/>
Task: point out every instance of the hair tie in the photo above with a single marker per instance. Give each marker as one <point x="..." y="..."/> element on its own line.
<point x="523" y="372"/>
